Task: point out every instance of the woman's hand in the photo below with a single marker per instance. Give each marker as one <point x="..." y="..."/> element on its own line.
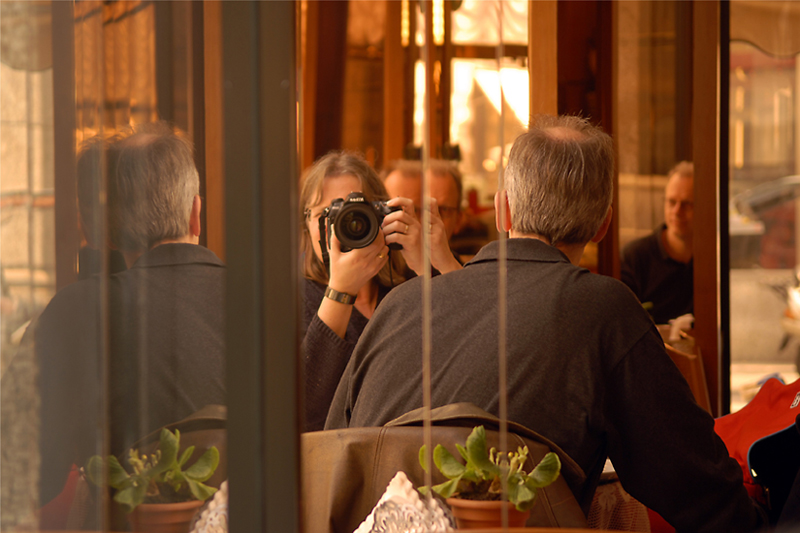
<point x="404" y="228"/>
<point x="350" y="271"/>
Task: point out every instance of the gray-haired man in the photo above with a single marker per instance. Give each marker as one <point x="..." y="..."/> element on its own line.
<point x="164" y="315"/>
<point x="586" y="366"/>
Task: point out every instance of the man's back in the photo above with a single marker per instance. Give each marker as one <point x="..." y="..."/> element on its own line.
<point x="166" y="358"/>
<point x="586" y="369"/>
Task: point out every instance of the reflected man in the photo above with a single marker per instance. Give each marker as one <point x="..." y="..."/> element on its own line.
<point x="659" y="268"/>
<point x="586" y="366"/>
<point x="404" y="179"/>
<point x="164" y="315"/>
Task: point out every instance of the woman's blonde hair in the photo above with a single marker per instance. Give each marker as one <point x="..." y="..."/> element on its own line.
<point x="341" y="163"/>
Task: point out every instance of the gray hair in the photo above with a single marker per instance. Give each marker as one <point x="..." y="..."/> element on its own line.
<point x="560" y="179"/>
<point x="152" y="182"/>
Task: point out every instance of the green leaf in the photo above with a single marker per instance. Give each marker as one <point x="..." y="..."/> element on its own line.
<point x="176" y="479"/>
<point x="204" y="467"/>
<point x="479" y="454"/>
<point x="117" y="475"/>
<point x="186" y="454"/>
<point x="423" y="490"/>
<point x="423" y="457"/>
<point x="168" y="444"/>
<point x="132" y="496"/>
<point x="200" y="491"/>
<point x="94" y="470"/>
<point x="462" y="451"/>
<point x="446" y="463"/>
<point x="545" y="472"/>
<point x="446" y="489"/>
<point x="521" y="495"/>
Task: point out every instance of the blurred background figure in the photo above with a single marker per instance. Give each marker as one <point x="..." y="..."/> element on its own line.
<point x="658" y="268"/>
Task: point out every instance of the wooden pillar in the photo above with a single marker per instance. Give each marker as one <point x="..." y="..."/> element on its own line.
<point x="543" y="56"/>
<point x="309" y="53"/>
<point x="432" y="142"/>
<point x="214" y="206"/>
<point x="707" y="115"/>
<point x="68" y="237"/>
<point x="393" y="85"/>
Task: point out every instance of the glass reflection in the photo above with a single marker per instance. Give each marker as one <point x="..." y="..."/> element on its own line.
<point x="134" y="339"/>
<point x="763" y="227"/>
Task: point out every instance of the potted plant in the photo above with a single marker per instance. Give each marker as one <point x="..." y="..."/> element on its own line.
<point x="474" y="489"/>
<point x="159" y="495"/>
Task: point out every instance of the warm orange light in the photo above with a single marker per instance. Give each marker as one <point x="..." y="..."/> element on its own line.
<point x="405" y="25"/>
<point x="438" y="22"/>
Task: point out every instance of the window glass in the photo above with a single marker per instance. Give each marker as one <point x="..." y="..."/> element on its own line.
<point x="763" y="223"/>
<point x="112" y="313"/>
<point x="475" y="22"/>
<point x="476" y="104"/>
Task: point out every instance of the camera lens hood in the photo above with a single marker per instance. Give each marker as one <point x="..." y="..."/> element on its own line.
<point x="356" y="225"/>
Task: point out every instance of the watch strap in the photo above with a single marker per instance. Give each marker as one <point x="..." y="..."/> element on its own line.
<point x="341" y="297"/>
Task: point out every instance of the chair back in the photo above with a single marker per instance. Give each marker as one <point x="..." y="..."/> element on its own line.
<point x="345" y="472"/>
<point x="691" y="366"/>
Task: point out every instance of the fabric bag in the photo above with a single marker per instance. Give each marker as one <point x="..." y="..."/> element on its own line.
<point x="344" y="472"/>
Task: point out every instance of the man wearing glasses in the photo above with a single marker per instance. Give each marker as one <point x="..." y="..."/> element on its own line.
<point x="404" y="178"/>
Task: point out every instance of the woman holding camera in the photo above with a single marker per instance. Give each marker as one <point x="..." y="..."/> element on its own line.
<point x="340" y="298"/>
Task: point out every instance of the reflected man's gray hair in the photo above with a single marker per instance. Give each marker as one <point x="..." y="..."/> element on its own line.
<point x="560" y="179"/>
<point x="152" y="182"/>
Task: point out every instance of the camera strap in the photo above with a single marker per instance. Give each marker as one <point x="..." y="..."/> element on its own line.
<point x="323" y="243"/>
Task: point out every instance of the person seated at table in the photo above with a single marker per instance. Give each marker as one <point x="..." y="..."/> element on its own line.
<point x="165" y="314"/>
<point x="586" y="366"/>
<point x="340" y="296"/>
<point x="404" y="178"/>
<point x="658" y="268"/>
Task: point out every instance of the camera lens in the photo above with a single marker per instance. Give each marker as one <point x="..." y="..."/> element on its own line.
<point x="356" y="225"/>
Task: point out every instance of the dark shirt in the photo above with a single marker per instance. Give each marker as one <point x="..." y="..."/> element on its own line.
<point x="325" y="354"/>
<point x="655" y="277"/>
<point x="166" y="326"/>
<point x="586" y="369"/>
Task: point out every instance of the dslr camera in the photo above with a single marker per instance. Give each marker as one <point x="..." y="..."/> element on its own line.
<point x="355" y="221"/>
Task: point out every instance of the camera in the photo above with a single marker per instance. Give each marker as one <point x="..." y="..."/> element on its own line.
<point x="355" y="221"/>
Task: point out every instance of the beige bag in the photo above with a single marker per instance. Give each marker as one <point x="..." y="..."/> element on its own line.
<point x="345" y="472"/>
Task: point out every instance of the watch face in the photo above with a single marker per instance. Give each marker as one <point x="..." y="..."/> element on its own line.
<point x="340" y="297"/>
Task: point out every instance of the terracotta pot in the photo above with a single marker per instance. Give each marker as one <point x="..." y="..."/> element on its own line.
<point x="164" y="517"/>
<point x="475" y="514"/>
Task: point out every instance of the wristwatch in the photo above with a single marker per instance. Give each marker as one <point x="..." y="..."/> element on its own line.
<point x="341" y="297"/>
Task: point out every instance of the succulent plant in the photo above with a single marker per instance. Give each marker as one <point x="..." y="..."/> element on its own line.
<point x="487" y="471"/>
<point x="159" y="476"/>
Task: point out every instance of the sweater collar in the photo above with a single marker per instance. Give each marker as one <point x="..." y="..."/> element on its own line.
<point x="177" y="254"/>
<point x="521" y="249"/>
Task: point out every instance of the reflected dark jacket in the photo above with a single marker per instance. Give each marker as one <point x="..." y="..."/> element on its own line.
<point x="586" y="369"/>
<point x="166" y="334"/>
<point x="325" y="354"/>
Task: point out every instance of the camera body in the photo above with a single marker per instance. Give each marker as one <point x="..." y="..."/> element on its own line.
<point x="355" y="221"/>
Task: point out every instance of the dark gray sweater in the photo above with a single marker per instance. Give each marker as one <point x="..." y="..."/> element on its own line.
<point x="586" y="368"/>
<point x="166" y="325"/>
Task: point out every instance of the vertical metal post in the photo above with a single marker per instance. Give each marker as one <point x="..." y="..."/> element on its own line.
<point x="64" y="112"/>
<point x="260" y="169"/>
